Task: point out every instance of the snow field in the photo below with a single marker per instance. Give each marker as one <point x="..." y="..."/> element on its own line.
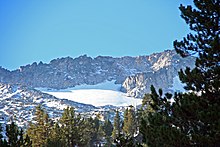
<point x="106" y="93"/>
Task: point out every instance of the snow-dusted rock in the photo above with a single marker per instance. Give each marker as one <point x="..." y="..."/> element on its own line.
<point x="135" y="74"/>
<point x="165" y="69"/>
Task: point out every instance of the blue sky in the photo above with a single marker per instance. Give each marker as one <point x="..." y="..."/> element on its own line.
<point x="41" y="30"/>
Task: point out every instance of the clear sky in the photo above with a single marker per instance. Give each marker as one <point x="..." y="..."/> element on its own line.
<point x="41" y="30"/>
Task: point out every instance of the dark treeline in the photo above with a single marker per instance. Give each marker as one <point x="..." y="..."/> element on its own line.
<point x="182" y="119"/>
<point x="70" y="130"/>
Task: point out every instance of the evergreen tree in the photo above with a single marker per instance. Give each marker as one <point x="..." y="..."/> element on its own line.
<point x="125" y="122"/>
<point x="117" y="126"/>
<point x="68" y="125"/>
<point x="147" y="102"/>
<point x="55" y="138"/>
<point x="95" y="128"/>
<point x="101" y="134"/>
<point x="108" y="128"/>
<point x="193" y="118"/>
<point x="40" y="129"/>
<point x="76" y="131"/>
<point x="130" y="125"/>
<point x="15" y="137"/>
<point x="12" y="133"/>
<point x="85" y="129"/>
<point x="145" y="110"/>
<point x="156" y="126"/>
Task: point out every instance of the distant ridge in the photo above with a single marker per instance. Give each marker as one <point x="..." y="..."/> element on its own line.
<point x="135" y="74"/>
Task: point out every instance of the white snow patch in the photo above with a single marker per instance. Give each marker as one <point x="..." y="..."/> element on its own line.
<point x="56" y="104"/>
<point x="102" y="94"/>
<point x="98" y="97"/>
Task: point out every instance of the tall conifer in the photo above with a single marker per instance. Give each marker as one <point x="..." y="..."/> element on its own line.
<point x="117" y="126"/>
<point x="76" y="131"/>
<point x="39" y="130"/>
<point x="130" y="125"/>
<point x="193" y="118"/>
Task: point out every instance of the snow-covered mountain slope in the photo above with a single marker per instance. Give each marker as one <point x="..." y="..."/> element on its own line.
<point x="19" y="101"/>
<point x="106" y="93"/>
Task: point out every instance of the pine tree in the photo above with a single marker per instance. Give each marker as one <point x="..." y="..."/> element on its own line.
<point x="15" y="137"/>
<point x="55" y="138"/>
<point x="130" y="125"/>
<point x="125" y="122"/>
<point x="100" y="135"/>
<point x="85" y="129"/>
<point x="94" y="132"/>
<point x="108" y="128"/>
<point x="156" y="126"/>
<point x="12" y="133"/>
<point x="145" y="111"/>
<point x="193" y="119"/>
<point x="40" y="129"/>
<point x="131" y="121"/>
<point x="76" y="131"/>
<point x="68" y="125"/>
<point x="117" y="126"/>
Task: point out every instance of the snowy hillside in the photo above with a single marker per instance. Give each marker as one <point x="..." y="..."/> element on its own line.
<point x="19" y="101"/>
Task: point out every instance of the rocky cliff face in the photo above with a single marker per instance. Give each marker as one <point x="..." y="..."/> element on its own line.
<point x="165" y="69"/>
<point x="135" y="74"/>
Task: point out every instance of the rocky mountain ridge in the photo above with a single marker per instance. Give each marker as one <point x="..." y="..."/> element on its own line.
<point x="136" y="74"/>
<point x="18" y="96"/>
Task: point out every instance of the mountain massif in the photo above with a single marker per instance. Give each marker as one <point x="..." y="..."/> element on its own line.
<point x="19" y="95"/>
<point x="135" y="74"/>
